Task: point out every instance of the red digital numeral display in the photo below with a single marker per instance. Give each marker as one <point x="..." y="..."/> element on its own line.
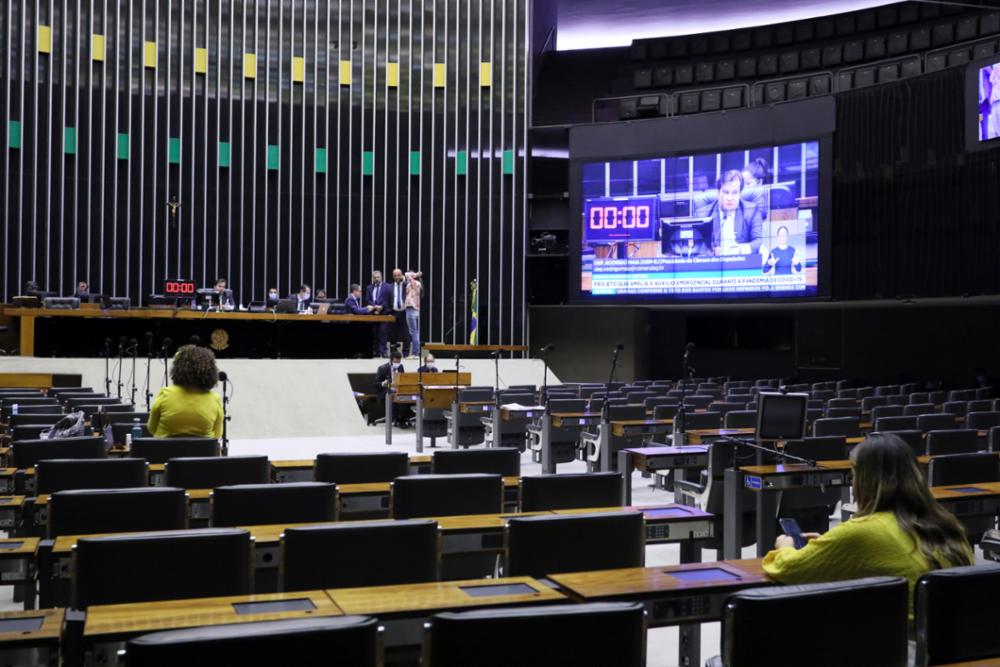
<point x="175" y="287"/>
<point x="624" y="217"/>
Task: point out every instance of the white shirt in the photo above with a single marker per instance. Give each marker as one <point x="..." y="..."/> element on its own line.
<point x="727" y="230"/>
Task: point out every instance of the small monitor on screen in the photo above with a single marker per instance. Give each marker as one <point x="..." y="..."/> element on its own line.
<point x="781" y="416"/>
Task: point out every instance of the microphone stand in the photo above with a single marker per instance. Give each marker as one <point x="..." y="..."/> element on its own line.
<point x="680" y="418"/>
<point x="149" y="363"/>
<point x="545" y="376"/>
<point x="135" y="353"/>
<point x="751" y="444"/>
<point x="165" y="350"/>
<point x="107" y="367"/>
<point x="225" y="413"/>
<point x="121" y="361"/>
<point x="605" y="409"/>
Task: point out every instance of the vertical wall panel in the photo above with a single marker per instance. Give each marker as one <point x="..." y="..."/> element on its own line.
<point x="110" y="137"/>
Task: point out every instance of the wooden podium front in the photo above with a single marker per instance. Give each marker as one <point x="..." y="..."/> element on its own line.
<point x="439" y="389"/>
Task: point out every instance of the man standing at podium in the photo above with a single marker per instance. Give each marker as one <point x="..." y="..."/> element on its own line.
<point x="384" y="377"/>
<point x="377" y="296"/>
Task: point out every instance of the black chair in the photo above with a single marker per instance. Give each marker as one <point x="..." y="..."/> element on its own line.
<point x="259" y="504"/>
<point x="511" y="432"/>
<point x="740" y="419"/>
<point x="27" y="453"/>
<point x="916" y="409"/>
<point x="89" y="511"/>
<point x="957" y="408"/>
<point x="59" y="391"/>
<point x="361" y="468"/>
<point x="47" y="418"/>
<point x="955" y="469"/>
<point x="540" y="493"/>
<point x="993" y="439"/>
<point x="543" y="545"/>
<point x="169" y="565"/>
<point x="912" y="437"/>
<point x="420" y="496"/>
<point x="505" y="461"/>
<point x="725" y="407"/>
<point x="366" y="553"/>
<point x="953" y="441"/>
<point x="936" y="422"/>
<point x="849" y="427"/>
<point x="104" y="417"/>
<point x="161" y="450"/>
<point x="77" y="402"/>
<point x="982" y="420"/>
<point x="854" y="413"/>
<point x="872" y="612"/>
<point x="208" y="472"/>
<point x="851" y="402"/>
<point x="883" y="411"/>
<point x="24" y="410"/>
<point x="950" y="623"/>
<point x="666" y="410"/>
<point x="305" y="642"/>
<point x="919" y="397"/>
<point x="868" y="403"/>
<point x="698" y="402"/>
<point x="29" y="431"/>
<point x="119" y="431"/>
<point x="979" y="405"/>
<point x="812" y="507"/>
<point x="562" y="440"/>
<point x="466" y="428"/>
<point x="53" y="475"/>
<point x="699" y="421"/>
<point x="602" y="634"/>
<point x="652" y="403"/>
<point x="901" y="423"/>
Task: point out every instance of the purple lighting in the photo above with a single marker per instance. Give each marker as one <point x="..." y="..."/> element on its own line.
<point x="592" y="24"/>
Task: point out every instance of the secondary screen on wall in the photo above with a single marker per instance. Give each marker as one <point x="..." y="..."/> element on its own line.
<point x="730" y="224"/>
<point x="989" y="102"/>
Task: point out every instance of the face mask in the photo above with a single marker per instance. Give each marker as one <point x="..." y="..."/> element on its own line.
<point x="272" y="295"/>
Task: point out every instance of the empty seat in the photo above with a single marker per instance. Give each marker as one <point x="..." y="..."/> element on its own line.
<point x="916" y="409"/>
<point x="812" y="507"/>
<point x="543" y="545"/>
<point x="949" y="618"/>
<point x="846" y="426"/>
<point x="466" y="428"/>
<point x="257" y="504"/>
<point x="54" y="475"/>
<point x="982" y="420"/>
<point x="602" y="634"/>
<point x="167" y="565"/>
<point x="698" y="402"/>
<point x="353" y="640"/>
<point x="35" y="418"/>
<point x="916" y="398"/>
<point x="27" y="453"/>
<point x="900" y="423"/>
<point x="954" y="469"/>
<point x="854" y="413"/>
<point x="936" y="422"/>
<point x="89" y="511"/>
<point x="446" y="495"/>
<point x="361" y="468"/>
<point x="161" y="450"/>
<point x="872" y="612"/>
<point x="695" y="421"/>
<point x="553" y="492"/>
<point x="741" y="419"/>
<point x="362" y="553"/>
<point x="504" y="461"/>
<point x="957" y="408"/>
<point x="208" y="472"/>
<point x="882" y="411"/>
<point x="29" y="431"/>
<point x="851" y="402"/>
<point x="724" y="408"/>
<point x="869" y="402"/>
<point x="912" y="437"/>
<point x="665" y="410"/>
<point x="952" y="441"/>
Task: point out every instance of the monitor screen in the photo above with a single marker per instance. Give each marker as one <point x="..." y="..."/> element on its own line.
<point x="730" y="224"/>
<point x="781" y="416"/>
<point x="988" y="96"/>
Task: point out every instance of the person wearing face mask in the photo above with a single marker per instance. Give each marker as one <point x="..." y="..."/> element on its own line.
<point x="383" y="382"/>
<point x="303" y="298"/>
<point x="736" y="227"/>
<point x="272" y="297"/>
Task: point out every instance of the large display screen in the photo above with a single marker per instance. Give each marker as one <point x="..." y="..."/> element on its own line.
<point x="989" y="102"/>
<point x="730" y="224"/>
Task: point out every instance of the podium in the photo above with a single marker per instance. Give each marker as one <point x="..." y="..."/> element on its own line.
<point x="437" y="391"/>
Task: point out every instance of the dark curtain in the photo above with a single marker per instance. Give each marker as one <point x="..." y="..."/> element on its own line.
<point x="914" y="213"/>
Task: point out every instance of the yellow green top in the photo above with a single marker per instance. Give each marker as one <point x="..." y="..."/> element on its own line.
<point x="178" y="411"/>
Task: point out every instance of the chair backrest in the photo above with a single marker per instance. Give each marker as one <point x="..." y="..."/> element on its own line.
<point x="953" y="441"/>
<point x="725" y="407"/>
<point x="208" y="472"/>
<point x="417" y="496"/>
<point x="474" y="394"/>
<point x="698" y="401"/>
<point x="848" y="427"/>
<point x="883" y="411"/>
<point x="900" y="423"/>
<point x="28" y="431"/>
<point x="142" y="567"/>
<point x="35" y="418"/>
<point x="912" y="437"/>
<point x="957" y="408"/>
<point x="919" y="397"/>
<point x="872" y="612"/>
<point x="954" y="469"/>
<point x="58" y="391"/>
<point x="949" y="619"/>
<point x="359" y="553"/>
<point x="570" y="491"/>
<point x="559" y="405"/>
<point x="915" y="409"/>
<point x="259" y="504"/>
<point x="993" y="439"/>
<point x="851" y="402"/>
<point x="869" y="402"/>
<point x="90" y="511"/>
<point x="844" y="394"/>
<point x="504" y="461"/>
<point x="544" y="545"/>
<point x="823" y="394"/>
<point x="9" y="401"/>
<point x="936" y="422"/>
<point x="853" y="412"/>
<point x="27" y="453"/>
<point x="701" y="420"/>
<point x="896" y="399"/>
<point x="823" y="448"/>
<point x="353" y="640"/>
<point x="361" y="467"/>
<point x="54" y="475"/>
<point x="516" y="397"/>
<point x="76" y="402"/>
<point x="740" y="419"/>
<point x="620" y="412"/>
<point x="120" y="430"/>
<point x="982" y="420"/>
<point x="602" y="634"/>
<point x="666" y="410"/>
<point x="161" y="450"/>
<point x="937" y="397"/>
<point x="962" y="395"/>
<point x="656" y="401"/>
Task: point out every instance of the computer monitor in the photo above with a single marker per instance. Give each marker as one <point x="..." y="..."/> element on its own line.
<point x="289" y="306"/>
<point x="781" y="416"/>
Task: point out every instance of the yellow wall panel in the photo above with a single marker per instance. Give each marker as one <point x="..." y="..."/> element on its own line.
<point x="97" y="47"/>
<point x="298" y="69"/>
<point x="201" y="61"/>
<point x="392" y="74"/>
<point x="440" y="75"/>
<point x="149" y="54"/>
<point x="345" y="72"/>
<point x="44" y="39"/>
<point x="250" y="65"/>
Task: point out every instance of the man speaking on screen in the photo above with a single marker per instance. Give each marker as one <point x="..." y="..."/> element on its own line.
<point x="736" y="226"/>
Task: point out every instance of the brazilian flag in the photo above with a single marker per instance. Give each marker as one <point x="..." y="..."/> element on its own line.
<point x="474" y="327"/>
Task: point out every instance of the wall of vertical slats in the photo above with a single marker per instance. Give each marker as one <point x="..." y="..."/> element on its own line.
<point x="301" y="141"/>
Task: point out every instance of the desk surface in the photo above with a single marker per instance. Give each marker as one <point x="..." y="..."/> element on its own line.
<point x="436" y="596"/>
<point x="672" y="511"/>
<point x="646" y="452"/>
<point x="638" y="581"/>
<point x="797" y="468"/>
<point x="49" y="632"/>
<point x="949" y="492"/>
<point x="188" y="314"/>
<point x="18" y="546"/>
<point x="139" y="617"/>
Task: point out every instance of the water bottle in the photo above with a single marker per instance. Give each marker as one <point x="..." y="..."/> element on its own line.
<point x="13" y="409"/>
<point x="136" y="430"/>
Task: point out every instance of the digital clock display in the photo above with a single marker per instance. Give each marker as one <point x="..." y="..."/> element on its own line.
<point x="620" y="219"/>
<point x="179" y="287"/>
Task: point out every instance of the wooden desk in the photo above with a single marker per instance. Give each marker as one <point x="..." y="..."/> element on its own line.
<point x="301" y="470"/>
<point x="42" y="642"/>
<point x="523" y="412"/>
<point x="11" y="509"/>
<point x="628" y="428"/>
<point x="669" y="599"/>
<point x="375" y="497"/>
<point x="653" y="459"/>
<point x="17" y="564"/>
<point x="700" y="435"/>
<point x="402" y="610"/>
<point x="108" y="627"/>
<point x="475" y="407"/>
<point x="568" y="419"/>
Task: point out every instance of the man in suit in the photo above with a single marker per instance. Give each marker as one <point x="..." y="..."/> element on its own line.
<point x="397" y="307"/>
<point x="383" y="382"/>
<point x="353" y="302"/>
<point x="82" y="290"/>
<point x="303" y="298"/>
<point x="428" y="366"/>
<point x="737" y="228"/>
<point x="378" y="297"/>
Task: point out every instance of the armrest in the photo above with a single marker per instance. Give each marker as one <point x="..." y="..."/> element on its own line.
<point x="688" y="487"/>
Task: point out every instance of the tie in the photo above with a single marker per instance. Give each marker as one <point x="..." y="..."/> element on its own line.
<point x="399" y="297"/>
<point x="378" y="290"/>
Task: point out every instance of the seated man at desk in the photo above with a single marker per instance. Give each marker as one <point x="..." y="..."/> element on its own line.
<point x="401" y="414"/>
<point x="353" y="302"/>
<point x="428" y="366"/>
<point x="899" y="529"/>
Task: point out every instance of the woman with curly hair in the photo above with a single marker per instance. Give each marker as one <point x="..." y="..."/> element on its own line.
<point x="188" y="407"/>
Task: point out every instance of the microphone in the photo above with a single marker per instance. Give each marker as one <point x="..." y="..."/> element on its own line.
<point x="121" y="345"/>
<point x="495" y="354"/>
<point x="133" y="345"/>
<point x="547" y="348"/>
<point x="195" y="340"/>
<point x="619" y="347"/>
<point x="165" y="346"/>
<point x="107" y="347"/>
<point x="223" y="376"/>
<point x="149" y="341"/>
<point x="687" y="351"/>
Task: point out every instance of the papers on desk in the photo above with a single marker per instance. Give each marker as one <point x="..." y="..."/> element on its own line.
<point x="518" y="406"/>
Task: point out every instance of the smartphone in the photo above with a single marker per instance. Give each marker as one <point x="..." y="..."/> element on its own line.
<point x="791" y="528"/>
